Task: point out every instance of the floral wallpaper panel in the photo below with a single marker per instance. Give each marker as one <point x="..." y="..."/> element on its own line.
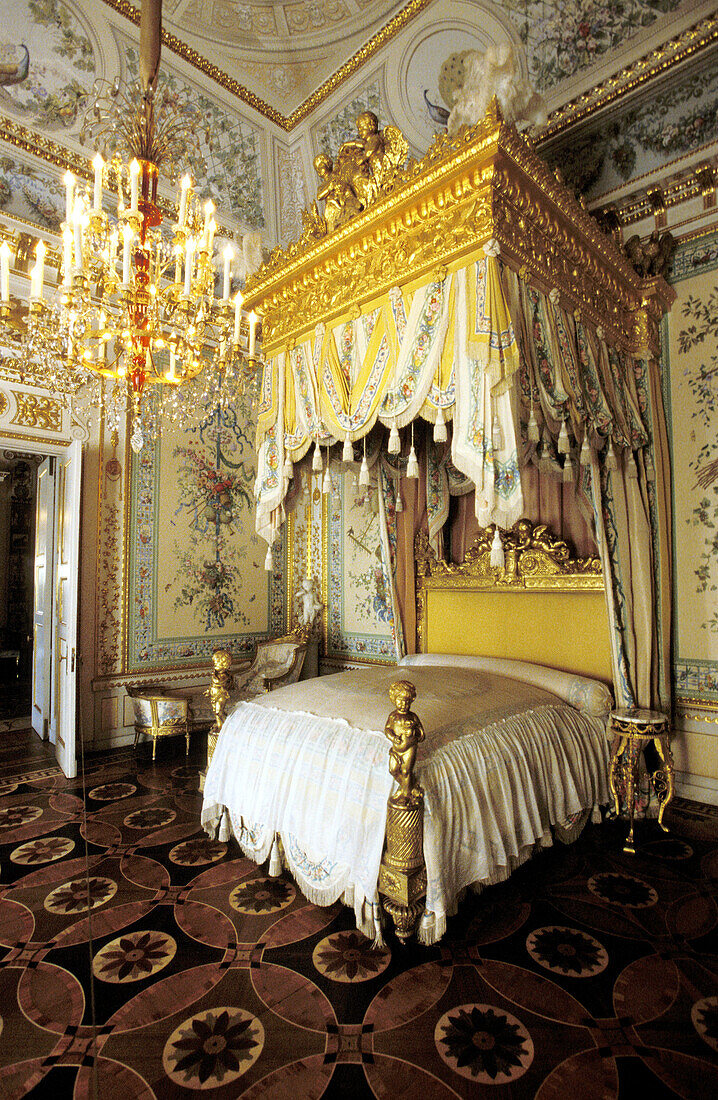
<point x="359" y="604"/>
<point x="691" y="382"/>
<point x="197" y="571"/>
<point x="29" y="193"/>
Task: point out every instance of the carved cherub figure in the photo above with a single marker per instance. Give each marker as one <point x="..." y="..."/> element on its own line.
<point x="220" y="684"/>
<point x="340" y="201"/>
<point x="405" y="731"/>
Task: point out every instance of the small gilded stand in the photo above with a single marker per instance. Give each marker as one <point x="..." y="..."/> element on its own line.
<point x="634" y="729"/>
<point x="402" y="874"/>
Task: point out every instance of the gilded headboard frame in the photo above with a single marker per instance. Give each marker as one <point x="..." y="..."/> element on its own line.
<point x="534" y="561"/>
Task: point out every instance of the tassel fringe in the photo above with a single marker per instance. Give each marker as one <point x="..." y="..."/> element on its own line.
<point x="631" y="467"/>
<point x="569" y="468"/>
<point x="564" y="445"/>
<point x="497" y="437"/>
<point x="269" y="560"/>
<point x="394" y="445"/>
<point x="317" y="459"/>
<point x="347" y="450"/>
<point x="288" y="468"/>
<point x="364" y="478"/>
<point x="533" y="428"/>
<point x="327" y="481"/>
<point x="650" y="468"/>
<point x="275" y="859"/>
<point x="611" y="461"/>
<point x="585" y="456"/>
<point x="399" y="503"/>
<point x="440" y="435"/>
<point x="412" y="466"/>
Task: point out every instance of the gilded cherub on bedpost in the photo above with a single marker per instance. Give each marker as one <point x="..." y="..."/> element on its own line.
<point x="219" y="688"/>
<point x="402" y="874"/>
<point x="405" y="731"/>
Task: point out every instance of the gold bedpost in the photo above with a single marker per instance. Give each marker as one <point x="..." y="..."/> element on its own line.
<point x="219" y="689"/>
<point x="402" y="873"/>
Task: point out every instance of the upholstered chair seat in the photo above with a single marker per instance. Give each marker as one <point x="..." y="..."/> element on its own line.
<point x="157" y="715"/>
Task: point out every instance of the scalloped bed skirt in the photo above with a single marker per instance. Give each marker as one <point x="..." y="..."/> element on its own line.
<point x="310" y="791"/>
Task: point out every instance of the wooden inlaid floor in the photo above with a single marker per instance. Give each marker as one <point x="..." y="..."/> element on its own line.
<point x="141" y="959"/>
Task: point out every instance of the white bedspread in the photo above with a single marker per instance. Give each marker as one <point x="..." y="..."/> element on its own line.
<point x="502" y="762"/>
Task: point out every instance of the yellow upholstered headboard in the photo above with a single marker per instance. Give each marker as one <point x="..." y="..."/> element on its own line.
<point x="543" y="605"/>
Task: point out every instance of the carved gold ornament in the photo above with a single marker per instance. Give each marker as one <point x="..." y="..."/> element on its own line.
<point x="37" y="412"/>
<point x="486" y="183"/>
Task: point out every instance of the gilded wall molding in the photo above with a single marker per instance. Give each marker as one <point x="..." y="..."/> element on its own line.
<point x="697" y="709"/>
<point x="32" y="411"/>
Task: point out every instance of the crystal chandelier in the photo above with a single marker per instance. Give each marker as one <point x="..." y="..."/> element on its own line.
<point x="135" y="310"/>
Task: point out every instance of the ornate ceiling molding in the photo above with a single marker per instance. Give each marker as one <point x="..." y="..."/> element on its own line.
<point x="285" y="122"/>
<point x="657" y="62"/>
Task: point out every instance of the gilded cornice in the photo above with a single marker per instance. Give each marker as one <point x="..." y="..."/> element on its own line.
<point x="485" y="183"/>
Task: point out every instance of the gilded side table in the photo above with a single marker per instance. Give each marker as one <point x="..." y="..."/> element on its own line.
<point x="633" y="729"/>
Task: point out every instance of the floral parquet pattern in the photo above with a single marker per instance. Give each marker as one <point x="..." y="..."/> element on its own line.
<point x="591" y="974"/>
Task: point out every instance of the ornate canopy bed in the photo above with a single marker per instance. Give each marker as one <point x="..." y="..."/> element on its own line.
<point x="472" y="293"/>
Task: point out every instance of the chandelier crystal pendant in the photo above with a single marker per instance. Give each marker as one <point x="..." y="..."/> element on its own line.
<point x="135" y="308"/>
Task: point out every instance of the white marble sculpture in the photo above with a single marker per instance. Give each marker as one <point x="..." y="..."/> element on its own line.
<point x="497" y="72"/>
<point x="309" y="603"/>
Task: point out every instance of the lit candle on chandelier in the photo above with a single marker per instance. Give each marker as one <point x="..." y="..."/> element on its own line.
<point x="237" y="316"/>
<point x="98" y="164"/>
<point x="228" y="254"/>
<point x="185" y="184"/>
<point x="69" y="181"/>
<point x="188" y="267"/>
<point x="66" y="256"/>
<point x="5" y="254"/>
<point x="78" y="220"/>
<point x="127" y="234"/>
<point x="171" y="375"/>
<point x="208" y="212"/>
<point x="37" y="275"/>
<point x="134" y="184"/>
<point x="252" y="332"/>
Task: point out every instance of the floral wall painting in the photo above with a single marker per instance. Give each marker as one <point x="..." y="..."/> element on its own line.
<point x="561" y="39"/>
<point x="197" y="571"/>
<point x="61" y="67"/>
<point x="674" y="122"/>
<point x="359" y="600"/>
<point x="28" y="193"/>
<point x="692" y="401"/>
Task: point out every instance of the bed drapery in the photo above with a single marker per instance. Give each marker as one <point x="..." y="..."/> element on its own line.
<point x="482" y="296"/>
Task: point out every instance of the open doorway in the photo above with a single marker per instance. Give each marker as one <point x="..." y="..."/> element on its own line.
<point x="18" y="496"/>
<point x="41" y="649"/>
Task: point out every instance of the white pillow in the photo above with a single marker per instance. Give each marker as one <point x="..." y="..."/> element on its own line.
<point x="590" y="696"/>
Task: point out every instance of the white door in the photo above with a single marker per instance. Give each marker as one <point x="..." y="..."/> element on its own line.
<point x="68" y="479"/>
<point x="42" y="602"/>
